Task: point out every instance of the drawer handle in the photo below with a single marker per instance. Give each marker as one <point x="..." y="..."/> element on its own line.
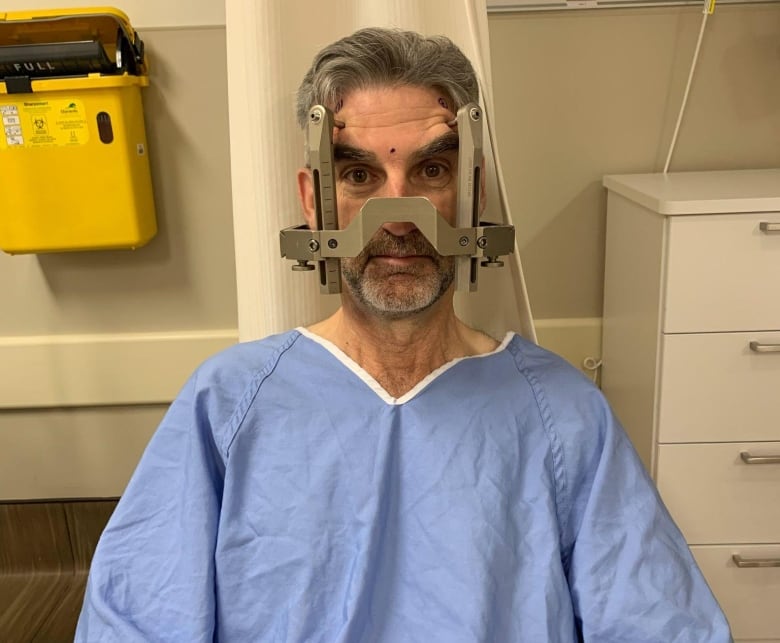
<point x="766" y="226"/>
<point x="759" y="459"/>
<point x="758" y="347"/>
<point x="755" y="562"/>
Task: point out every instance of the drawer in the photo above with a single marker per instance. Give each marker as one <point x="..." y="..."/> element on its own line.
<point x="714" y="388"/>
<point x="749" y="596"/>
<point x="723" y="274"/>
<point x="715" y="497"/>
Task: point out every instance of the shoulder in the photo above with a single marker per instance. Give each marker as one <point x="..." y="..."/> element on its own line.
<point x="244" y="361"/>
<point x="579" y="423"/>
<point x="240" y="369"/>
<point x="574" y="411"/>
<point x="248" y="357"/>
<point x="560" y="389"/>
<point x="221" y="390"/>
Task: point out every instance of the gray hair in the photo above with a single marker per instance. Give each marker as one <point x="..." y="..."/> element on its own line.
<point x="376" y="57"/>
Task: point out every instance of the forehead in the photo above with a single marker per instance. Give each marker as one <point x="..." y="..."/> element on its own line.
<point x="379" y="112"/>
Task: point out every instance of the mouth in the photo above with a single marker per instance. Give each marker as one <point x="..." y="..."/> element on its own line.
<point x="400" y="260"/>
<point x="394" y="252"/>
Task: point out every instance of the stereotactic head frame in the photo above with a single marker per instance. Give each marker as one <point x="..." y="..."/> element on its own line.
<point x="469" y="240"/>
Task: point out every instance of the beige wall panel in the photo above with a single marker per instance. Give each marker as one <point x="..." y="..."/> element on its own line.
<point x="578" y="341"/>
<point x="580" y="94"/>
<point x="72" y="453"/>
<point x="184" y="279"/>
<point x="123" y="327"/>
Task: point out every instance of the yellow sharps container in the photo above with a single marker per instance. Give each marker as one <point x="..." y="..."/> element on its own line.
<point x="74" y="164"/>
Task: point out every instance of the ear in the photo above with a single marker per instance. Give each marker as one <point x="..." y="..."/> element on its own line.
<point x="306" y="197"/>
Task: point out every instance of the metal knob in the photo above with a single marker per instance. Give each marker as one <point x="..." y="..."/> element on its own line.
<point x="302" y="265"/>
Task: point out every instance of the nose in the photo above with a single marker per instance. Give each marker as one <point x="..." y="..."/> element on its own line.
<point x="397" y="186"/>
<point x="399" y="228"/>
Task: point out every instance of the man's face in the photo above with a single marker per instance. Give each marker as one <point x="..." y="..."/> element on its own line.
<point x="396" y="143"/>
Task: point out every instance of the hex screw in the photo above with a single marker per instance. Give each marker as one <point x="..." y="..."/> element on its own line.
<point x="314" y="245"/>
<point x="482" y="242"/>
<point x="475" y="113"/>
<point x="463" y="241"/>
<point x="333" y="244"/>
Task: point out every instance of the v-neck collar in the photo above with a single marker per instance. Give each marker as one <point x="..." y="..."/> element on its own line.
<point x="375" y="386"/>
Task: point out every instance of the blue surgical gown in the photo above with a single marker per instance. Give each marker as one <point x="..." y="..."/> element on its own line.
<point x="287" y="497"/>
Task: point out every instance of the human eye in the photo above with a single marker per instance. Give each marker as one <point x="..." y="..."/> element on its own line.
<point x="435" y="173"/>
<point x="358" y="180"/>
<point x="356" y="175"/>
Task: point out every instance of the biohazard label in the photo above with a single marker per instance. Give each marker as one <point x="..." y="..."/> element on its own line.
<point x="45" y="123"/>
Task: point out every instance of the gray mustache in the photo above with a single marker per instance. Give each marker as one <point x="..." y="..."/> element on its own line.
<point x="384" y="243"/>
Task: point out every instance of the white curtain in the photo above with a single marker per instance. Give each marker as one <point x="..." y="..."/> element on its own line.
<point x="270" y="45"/>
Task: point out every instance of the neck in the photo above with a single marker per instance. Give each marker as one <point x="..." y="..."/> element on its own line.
<point x="398" y="353"/>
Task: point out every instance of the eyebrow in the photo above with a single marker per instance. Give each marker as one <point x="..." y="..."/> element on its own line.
<point x="343" y="152"/>
<point x="444" y="143"/>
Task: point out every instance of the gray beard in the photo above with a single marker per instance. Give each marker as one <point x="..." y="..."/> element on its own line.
<point x="373" y="285"/>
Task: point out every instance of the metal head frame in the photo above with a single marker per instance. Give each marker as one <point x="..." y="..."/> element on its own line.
<point x="469" y="240"/>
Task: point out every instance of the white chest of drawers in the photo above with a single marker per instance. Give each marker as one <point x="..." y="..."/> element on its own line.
<point x="691" y="365"/>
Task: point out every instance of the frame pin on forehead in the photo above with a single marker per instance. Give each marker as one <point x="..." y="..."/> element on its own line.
<point x="469" y="240"/>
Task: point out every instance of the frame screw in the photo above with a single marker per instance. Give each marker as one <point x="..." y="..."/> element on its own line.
<point x="475" y="113"/>
<point x="302" y="265"/>
<point x="482" y="242"/>
<point x="333" y="244"/>
<point x="492" y="262"/>
<point x="314" y="245"/>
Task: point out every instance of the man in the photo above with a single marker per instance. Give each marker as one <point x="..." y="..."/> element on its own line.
<point x="390" y="474"/>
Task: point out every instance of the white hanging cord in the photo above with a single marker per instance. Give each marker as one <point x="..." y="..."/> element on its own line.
<point x="516" y="264"/>
<point x="709" y="7"/>
<point x="593" y="365"/>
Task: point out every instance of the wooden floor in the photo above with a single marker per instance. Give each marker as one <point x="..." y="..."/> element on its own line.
<point x="45" y="551"/>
